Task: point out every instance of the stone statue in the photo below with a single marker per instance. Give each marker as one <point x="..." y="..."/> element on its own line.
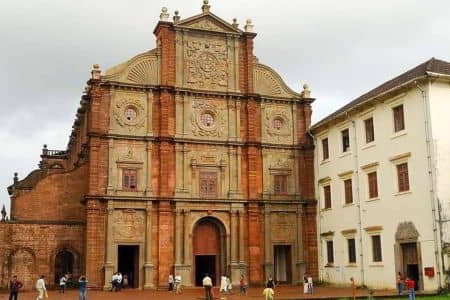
<point x="3" y="213"/>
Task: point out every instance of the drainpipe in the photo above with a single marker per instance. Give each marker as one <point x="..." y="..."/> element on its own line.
<point x="316" y="167"/>
<point x="358" y="197"/>
<point x="432" y="181"/>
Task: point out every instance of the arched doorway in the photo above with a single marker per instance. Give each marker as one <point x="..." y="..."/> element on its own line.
<point x="209" y="250"/>
<point x="64" y="262"/>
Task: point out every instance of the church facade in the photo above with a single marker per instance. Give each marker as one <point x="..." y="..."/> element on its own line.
<point x="190" y="158"/>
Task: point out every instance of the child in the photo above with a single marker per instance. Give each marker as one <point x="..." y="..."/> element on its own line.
<point x="268" y="293"/>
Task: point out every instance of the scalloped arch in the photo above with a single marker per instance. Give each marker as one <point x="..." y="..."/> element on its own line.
<point x="144" y="72"/>
<point x="267" y="82"/>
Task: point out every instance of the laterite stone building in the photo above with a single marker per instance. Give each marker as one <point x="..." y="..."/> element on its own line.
<point x="189" y="158"/>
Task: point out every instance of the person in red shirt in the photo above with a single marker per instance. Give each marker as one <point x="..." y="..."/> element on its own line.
<point x="14" y="287"/>
<point x="411" y="284"/>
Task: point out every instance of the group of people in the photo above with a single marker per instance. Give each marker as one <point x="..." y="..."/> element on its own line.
<point x="118" y="281"/>
<point x="15" y="285"/>
<point x="175" y="283"/>
<point x="410" y="285"/>
<point x="225" y="285"/>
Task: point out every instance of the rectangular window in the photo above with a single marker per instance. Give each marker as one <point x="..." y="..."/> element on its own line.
<point x="325" y="150"/>
<point x="208" y="184"/>
<point x="280" y="184"/>
<point x="348" y="191"/>
<point x="129" y="180"/>
<point x="327" y="196"/>
<point x="370" y="134"/>
<point x="403" y="178"/>
<point x="330" y="253"/>
<point x="399" y="118"/>
<point x="345" y="140"/>
<point x="351" y="251"/>
<point x="373" y="185"/>
<point x="376" y="248"/>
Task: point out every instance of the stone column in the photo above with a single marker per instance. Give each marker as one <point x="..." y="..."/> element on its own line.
<point x="148" y="266"/>
<point x="235" y="270"/>
<point x="185" y="269"/>
<point x="150" y="113"/>
<point x="300" y="258"/>
<point x="178" y="237"/>
<point x="241" y="237"/>
<point x="148" y="173"/>
<point x="109" y="266"/>
<point x="268" y="258"/>
<point x="111" y="184"/>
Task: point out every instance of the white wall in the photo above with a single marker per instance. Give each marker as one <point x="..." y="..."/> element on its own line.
<point x="392" y="207"/>
<point x="439" y="111"/>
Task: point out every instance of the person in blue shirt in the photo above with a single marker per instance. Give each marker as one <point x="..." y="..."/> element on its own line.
<point x="83" y="287"/>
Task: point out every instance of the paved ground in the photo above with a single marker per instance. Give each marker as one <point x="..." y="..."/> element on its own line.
<point x="197" y="294"/>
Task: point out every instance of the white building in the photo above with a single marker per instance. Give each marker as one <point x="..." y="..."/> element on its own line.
<point x="382" y="165"/>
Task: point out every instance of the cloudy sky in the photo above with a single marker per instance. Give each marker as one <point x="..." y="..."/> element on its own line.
<point x="340" y="48"/>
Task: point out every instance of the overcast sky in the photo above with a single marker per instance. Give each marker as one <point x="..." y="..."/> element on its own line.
<point x="340" y="48"/>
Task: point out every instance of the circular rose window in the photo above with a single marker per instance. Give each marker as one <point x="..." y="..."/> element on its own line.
<point x="278" y="123"/>
<point x="207" y="119"/>
<point x="130" y="113"/>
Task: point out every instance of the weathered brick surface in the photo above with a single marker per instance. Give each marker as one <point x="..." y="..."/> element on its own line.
<point x="310" y="237"/>
<point x="56" y="197"/>
<point x="29" y="250"/>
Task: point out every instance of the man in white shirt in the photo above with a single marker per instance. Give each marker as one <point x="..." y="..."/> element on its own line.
<point x="62" y="284"/>
<point x="178" y="283"/>
<point x="40" y="287"/>
<point x="207" y="283"/>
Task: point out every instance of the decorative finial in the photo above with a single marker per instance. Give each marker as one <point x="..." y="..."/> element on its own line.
<point x="235" y="23"/>
<point x="95" y="73"/>
<point x="206" y="6"/>
<point x="249" y="26"/>
<point x="164" y="16"/>
<point x="306" y="93"/>
<point x="176" y="17"/>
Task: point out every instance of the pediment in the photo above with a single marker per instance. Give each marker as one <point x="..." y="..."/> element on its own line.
<point x="141" y="69"/>
<point x="268" y="83"/>
<point x="208" y="22"/>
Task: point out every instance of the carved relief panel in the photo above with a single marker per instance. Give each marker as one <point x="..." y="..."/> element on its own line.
<point x="206" y="61"/>
<point x="130" y="113"/>
<point x="128" y="225"/>
<point x="283" y="227"/>
<point x="277" y="123"/>
<point x="280" y="165"/>
<point x="128" y="159"/>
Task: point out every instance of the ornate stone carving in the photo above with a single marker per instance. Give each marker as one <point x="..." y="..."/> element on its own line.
<point x="119" y="112"/>
<point x="280" y="117"/>
<point x="214" y="128"/>
<point x="128" y="156"/>
<point x="128" y="224"/>
<point x="406" y="231"/>
<point x="206" y="63"/>
<point x="283" y="227"/>
<point x="206" y="24"/>
<point x="281" y="163"/>
<point x="144" y="72"/>
<point x="267" y="82"/>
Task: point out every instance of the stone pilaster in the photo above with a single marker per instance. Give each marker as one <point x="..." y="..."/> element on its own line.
<point x="235" y="268"/>
<point x="148" y="173"/>
<point x="300" y="257"/>
<point x="268" y="257"/>
<point x="178" y="237"/>
<point x="111" y="187"/>
<point x="184" y="268"/>
<point x="148" y="266"/>
<point x="109" y="266"/>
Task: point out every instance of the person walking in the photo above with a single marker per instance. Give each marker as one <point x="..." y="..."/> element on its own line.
<point x="310" y="285"/>
<point x="270" y="282"/>
<point x="399" y="280"/>
<point x="40" y="287"/>
<point x="243" y="286"/>
<point x="178" y="284"/>
<point x="62" y="284"/>
<point x="207" y="284"/>
<point x="13" y="287"/>
<point x="171" y="282"/>
<point x="83" y="287"/>
<point x="411" y="284"/>
<point x="229" y="285"/>
<point x="223" y="284"/>
<point x="268" y="293"/>
<point x="119" y="281"/>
